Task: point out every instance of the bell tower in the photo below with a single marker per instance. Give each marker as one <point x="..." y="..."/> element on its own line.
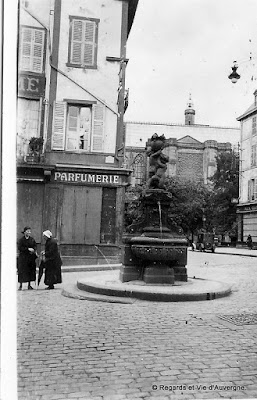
<point x="190" y="112"/>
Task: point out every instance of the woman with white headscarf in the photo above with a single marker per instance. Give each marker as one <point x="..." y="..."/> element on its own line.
<point x="52" y="261"/>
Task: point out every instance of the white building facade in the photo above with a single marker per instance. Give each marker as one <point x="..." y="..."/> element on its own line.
<point x="247" y="206"/>
<point x="71" y="70"/>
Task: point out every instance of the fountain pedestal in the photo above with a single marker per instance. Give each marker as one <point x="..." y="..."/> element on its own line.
<point x="159" y="273"/>
<point x="159" y="254"/>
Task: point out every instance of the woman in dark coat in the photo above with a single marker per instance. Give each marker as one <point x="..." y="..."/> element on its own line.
<point x="27" y="258"/>
<point x="249" y="242"/>
<point x="52" y="261"/>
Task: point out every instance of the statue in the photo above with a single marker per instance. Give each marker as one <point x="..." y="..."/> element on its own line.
<point x="157" y="162"/>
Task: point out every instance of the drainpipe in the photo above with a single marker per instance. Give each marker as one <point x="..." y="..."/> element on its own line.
<point x="120" y="136"/>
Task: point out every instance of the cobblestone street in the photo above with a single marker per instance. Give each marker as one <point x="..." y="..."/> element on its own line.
<point x="74" y="349"/>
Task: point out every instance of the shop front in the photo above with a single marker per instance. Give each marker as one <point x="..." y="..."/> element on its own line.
<point x="82" y="206"/>
<point x="247" y="223"/>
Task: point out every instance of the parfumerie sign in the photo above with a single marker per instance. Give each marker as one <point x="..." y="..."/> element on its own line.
<point x="84" y="178"/>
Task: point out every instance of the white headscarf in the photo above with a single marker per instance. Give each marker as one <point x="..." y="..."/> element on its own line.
<point x="48" y="234"/>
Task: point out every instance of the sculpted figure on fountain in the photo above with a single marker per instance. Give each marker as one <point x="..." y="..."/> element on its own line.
<point x="157" y="162"/>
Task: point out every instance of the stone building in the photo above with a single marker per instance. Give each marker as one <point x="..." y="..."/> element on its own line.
<point x="71" y="75"/>
<point x="191" y="147"/>
<point x="247" y="206"/>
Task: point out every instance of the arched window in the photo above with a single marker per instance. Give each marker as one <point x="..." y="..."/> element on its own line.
<point x="139" y="169"/>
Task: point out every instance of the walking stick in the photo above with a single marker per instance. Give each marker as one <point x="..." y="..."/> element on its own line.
<point x="40" y="270"/>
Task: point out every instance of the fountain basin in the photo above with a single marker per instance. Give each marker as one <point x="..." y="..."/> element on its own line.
<point x="106" y="286"/>
<point x="158" y="249"/>
<point x="154" y="259"/>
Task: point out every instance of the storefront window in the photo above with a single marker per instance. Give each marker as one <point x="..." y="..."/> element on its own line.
<point x="108" y="217"/>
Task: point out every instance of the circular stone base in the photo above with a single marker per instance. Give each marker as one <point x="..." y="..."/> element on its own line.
<point x="195" y="289"/>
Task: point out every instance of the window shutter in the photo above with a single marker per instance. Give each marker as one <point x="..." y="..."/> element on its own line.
<point x="76" y="43"/>
<point x="89" y="43"/>
<point x="254" y="131"/>
<point x="255" y="189"/>
<point x="98" y="127"/>
<point x="249" y="190"/>
<point x="59" y="122"/>
<point x="25" y="50"/>
<point x="37" y="51"/>
<point x="32" y="49"/>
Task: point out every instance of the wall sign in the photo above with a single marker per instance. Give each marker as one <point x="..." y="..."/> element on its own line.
<point x="86" y="178"/>
<point x="31" y="85"/>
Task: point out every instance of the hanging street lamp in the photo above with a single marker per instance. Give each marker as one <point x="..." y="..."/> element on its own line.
<point x="234" y="76"/>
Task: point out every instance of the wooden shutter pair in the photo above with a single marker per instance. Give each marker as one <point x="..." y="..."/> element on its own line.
<point x="253" y="155"/>
<point x="83" y="43"/>
<point x="254" y="126"/>
<point x="32" y="49"/>
<point x="252" y="189"/>
<point x="59" y="126"/>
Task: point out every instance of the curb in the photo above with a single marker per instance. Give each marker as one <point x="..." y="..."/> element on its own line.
<point x="136" y="294"/>
<point x="228" y="253"/>
<point x="72" y="292"/>
<point x="236" y="254"/>
<point x="88" y="268"/>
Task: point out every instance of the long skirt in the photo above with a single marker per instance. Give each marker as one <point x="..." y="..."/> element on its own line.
<point x="26" y="269"/>
<point x="53" y="273"/>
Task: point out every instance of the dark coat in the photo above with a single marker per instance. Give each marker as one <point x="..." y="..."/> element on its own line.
<point x="52" y="263"/>
<point x="26" y="260"/>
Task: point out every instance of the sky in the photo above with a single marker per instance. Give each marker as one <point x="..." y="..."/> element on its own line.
<point x="177" y="47"/>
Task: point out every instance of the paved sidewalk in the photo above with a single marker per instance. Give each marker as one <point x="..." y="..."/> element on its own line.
<point x="86" y="350"/>
<point x="235" y="251"/>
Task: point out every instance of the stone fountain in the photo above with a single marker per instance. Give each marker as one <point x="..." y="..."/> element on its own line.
<point x="154" y="253"/>
<point x="154" y="248"/>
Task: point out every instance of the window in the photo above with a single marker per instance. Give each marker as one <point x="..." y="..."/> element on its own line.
<point x="28" y="123"/>
<point x="108" y="217"/>
<point x="139" y="169"/>
<point x="253" y="156"/>
<point x="252" y="189"/>
<point x="31" y="51"/>
<point x="83" y="42"/>
<point x="254" y="128"/>
<point x="78" y="127"/>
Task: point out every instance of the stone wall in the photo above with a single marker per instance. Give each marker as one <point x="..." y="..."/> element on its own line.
<point x="190" y="165"/>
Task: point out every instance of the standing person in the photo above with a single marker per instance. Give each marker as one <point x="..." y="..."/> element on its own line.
<point x="249" y="242"/>
<point x="51" y="261"/>
<point x="27" y="258"/>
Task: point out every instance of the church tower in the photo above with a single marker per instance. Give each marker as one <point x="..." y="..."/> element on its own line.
<point x="190" y="112"/>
